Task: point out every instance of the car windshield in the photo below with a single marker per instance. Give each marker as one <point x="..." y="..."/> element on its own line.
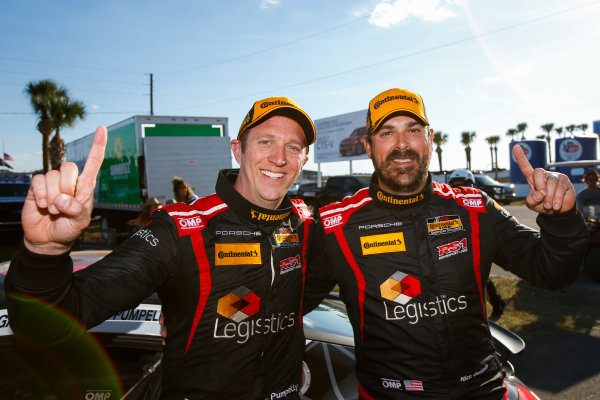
<point x="486" y="180"/>
<point x="364" y="180"/>
<point x="14" y="189"/>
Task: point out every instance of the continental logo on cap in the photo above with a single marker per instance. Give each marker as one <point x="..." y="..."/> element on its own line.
<point x="266" y="104"/>
<point x="386" y="243"/>
<point x="259" y="216"/>
<point x="393" y="200"/>
<point x="398" y="97"/>
<point x="237" y="253"/>
<point x="444" y="224"/>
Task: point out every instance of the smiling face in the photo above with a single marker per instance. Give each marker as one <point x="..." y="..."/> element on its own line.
<point x="273" y="156"/>
<point x="401" y="150"/>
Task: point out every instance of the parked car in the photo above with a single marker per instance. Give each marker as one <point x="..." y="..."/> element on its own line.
<point x="353" y="144"/>
<point x="501" y="192"/>
<point x="121" y="358"/>
<point x="13" y="191"/>
<point x="338" y="187"/>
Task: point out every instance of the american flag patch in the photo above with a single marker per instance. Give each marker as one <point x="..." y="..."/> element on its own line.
<point x="413" y="386"/>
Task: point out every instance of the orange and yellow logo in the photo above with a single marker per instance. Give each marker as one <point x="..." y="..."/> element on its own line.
<point x="385" y="243"/>
<point x="237" y="253"/>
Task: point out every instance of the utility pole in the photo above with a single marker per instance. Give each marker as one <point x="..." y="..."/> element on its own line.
<point x="151" y="94"/>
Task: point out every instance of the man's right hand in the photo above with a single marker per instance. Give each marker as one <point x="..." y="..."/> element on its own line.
<point x="59" y="205"/>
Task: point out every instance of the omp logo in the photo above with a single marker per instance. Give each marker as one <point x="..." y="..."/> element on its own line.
<point x="391" y="384"/>
<point x="190" y="223"/>
<point x="477" y="203"/>
<point x="400" y="288"/>
<point x="444" y="224"/>
<point x="334" y="220"/>
<point x="386" y="243"/>
<point x="290" y="264"/>
<point x="239" y="304"/>
<point x="450" y="249"/>
<point x="237" y="253"/>
<point x="98" y="394"/>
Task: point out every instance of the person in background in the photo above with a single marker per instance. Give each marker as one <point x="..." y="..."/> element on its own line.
<point x="590" y="196"/>
<point x="464" y="177"/>
<point x="229" y="268"/>
<point x="144" y="217"/>
<point x="182" y="191"/>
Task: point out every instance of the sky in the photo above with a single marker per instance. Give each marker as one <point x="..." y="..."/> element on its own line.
<point x="481" y="66"/>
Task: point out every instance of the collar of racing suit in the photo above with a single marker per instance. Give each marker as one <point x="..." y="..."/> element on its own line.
<point x="243" y="207"/>
<point x="389" y="200"/>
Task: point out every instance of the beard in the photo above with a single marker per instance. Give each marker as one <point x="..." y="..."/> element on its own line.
<point x="403" y="180"/>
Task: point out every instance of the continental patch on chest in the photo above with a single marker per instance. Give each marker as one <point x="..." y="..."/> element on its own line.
<point x="444" y="224"/>
<point x="237" y="253"/>
<point x="384" y="243"/>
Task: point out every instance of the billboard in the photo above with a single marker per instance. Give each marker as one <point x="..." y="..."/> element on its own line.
<point x="339" y="138"/>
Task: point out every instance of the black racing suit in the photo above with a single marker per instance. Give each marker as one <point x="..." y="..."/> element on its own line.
<point x="230" y="277"/>
<point x="412" y="273"/>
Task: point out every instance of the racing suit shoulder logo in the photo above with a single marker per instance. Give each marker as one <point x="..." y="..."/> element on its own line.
<point x="332" y="221"/>
<point x="474" y="201"/>
<point x="237" y="253"/>
<point x="444" y="224"/>
<point x="194" y="222"/>
<point x="384" y="243"/>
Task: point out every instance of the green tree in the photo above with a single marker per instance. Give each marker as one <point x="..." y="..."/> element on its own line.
<point x="466" y="139"/>
<point x="511" y="133"/>
<point x="42" y="95"/>
<point x="55" y="110"/>
<point x="493" y="142"/>
<point x="64" y="112"/>
<point x="521" y="127"/>
<point x="570" y="128"/>
<point x="548" y="128"/>
<point x="582" y="128"/>
<point x="559" y="131"/>
<point x="440" y="139"/>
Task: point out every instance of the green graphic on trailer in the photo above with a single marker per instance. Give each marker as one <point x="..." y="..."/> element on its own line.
<point x="183" y="130"/>
<point x="119" y="178"/>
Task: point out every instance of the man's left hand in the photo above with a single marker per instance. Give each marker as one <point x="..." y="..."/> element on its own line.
<point x="549" y="192"/>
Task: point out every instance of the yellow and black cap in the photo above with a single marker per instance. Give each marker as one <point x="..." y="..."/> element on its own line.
<point x="394" y="101"/>
<point x="284" y="106"/>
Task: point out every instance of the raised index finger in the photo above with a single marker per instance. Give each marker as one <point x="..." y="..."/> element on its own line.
<point x="524" y="165"/>
<point x="87" y="179"/>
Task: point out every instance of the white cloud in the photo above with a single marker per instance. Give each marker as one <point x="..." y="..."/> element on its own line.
<point x="269" y="3"/>
<point x="95" y="107"/>
<point x="388" y="13"/>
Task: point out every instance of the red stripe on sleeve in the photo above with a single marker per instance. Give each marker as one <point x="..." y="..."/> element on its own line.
<point x="473" y="215"/>
<point x="204" y="282"/>
<point x="360" y="279"/>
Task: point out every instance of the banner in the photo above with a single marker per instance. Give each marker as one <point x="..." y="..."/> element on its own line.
<point x="339" y="138"/>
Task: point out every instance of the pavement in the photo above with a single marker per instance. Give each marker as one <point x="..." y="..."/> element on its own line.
<point x="564" y="366"/>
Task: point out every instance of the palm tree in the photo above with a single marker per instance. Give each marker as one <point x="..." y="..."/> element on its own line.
<point x="521" y="129"/>
<point x="582" y="127"/>
<point x="64" y="112"/>
<point x="570" y="128"/>
<point x="42" y="95"/>
<point x="55" y="110"/>
<point x="548" y="128"/>
<point x="493" y="142"/>
<point x="467" y="139"/>
<point x="511" y="133"/>
<point x="439" y="139"/>
<point x="559" y="130"/>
